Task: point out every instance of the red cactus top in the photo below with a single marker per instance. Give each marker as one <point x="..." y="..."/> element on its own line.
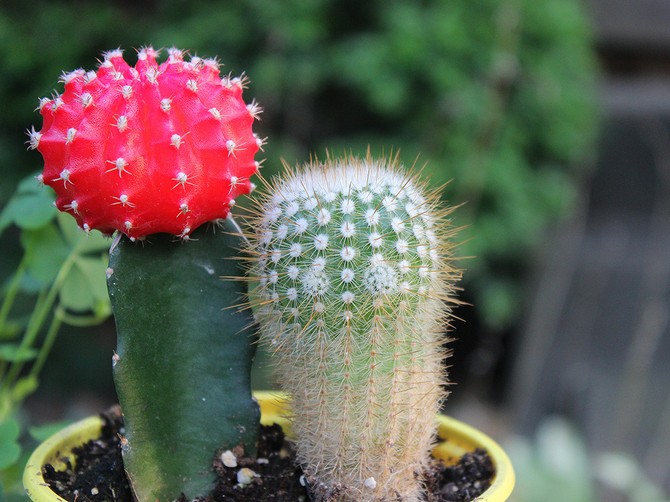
<point x="147" y="149"/>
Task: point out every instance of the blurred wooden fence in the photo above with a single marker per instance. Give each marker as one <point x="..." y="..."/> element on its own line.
<point x="596" y="345"/>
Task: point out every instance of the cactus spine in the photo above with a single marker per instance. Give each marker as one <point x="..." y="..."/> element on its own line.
<point x="352" y="265"/>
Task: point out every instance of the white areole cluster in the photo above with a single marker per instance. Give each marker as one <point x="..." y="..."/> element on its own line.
<point x="339" y="239"/>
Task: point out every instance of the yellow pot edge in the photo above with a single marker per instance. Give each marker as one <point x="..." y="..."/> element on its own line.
<point x="274" y="409"/>
<point x="466" y="438"/>
<point x="60" y="443"/>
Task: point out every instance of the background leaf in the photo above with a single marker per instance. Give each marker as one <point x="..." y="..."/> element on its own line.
<point x="10" y="449"/>
<point x="45" y="252"/>
<point x="23" y="388"/>
<point x="43" y="432"/>
<point x="12" y="352"/>
<point x="85" y="285"/>
<point x="92" y="242"/>
<point x="30" y="208"/>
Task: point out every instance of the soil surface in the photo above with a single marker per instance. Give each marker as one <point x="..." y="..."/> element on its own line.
<point x="99" y="476"/>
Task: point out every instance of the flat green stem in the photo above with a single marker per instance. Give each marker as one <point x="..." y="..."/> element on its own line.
<point x="182" y="367"/>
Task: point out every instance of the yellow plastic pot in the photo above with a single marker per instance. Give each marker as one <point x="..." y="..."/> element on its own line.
<point x="458" y="438"/>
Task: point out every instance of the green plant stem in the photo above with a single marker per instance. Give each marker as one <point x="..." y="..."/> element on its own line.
<point x="7" y="304"/>
<point x="32" y="329"/>
<point x="43" y="306"/>
<point x="49" y="339"/>
<point x="12" y="291"/>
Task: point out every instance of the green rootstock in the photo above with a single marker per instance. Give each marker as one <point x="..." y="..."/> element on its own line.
<point x="183" y="360"/>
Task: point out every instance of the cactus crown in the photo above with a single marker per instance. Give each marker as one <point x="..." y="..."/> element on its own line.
<point x="353" y="274"/>
<point x="150" y="148"/>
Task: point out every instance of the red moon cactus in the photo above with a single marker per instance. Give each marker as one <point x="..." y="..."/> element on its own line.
<point x="147" y="149"/>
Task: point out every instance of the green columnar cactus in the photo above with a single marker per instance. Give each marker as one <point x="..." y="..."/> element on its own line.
<point x="182" y="364"/>
<point x="353" y="272"/>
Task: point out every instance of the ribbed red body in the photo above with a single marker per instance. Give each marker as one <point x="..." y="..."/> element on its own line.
<point x="146" y="149"/>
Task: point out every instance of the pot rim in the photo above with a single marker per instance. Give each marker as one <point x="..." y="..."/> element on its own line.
<point x="456" y="438"/>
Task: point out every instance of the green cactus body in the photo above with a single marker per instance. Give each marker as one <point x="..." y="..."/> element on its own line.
<point x="351" y="261"/>
<point x="182" y="364"/>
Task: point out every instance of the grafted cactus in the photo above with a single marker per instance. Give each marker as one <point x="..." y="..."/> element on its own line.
<point x="351" y="261"/>
<point x="155" y="152"/>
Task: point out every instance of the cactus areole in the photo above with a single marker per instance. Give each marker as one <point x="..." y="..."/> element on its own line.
<point x="352" y="262"/>
<point x="149" y="151"/>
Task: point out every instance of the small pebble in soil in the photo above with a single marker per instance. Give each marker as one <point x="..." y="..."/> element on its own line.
<point x="245" y="476"/>
<point x="229" y="459"/>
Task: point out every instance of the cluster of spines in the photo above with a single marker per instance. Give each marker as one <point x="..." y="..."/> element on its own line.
<point x="352" y="267"/>
<point x="151" y="148"/>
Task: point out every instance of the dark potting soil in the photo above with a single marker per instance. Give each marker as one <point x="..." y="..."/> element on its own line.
<point x="98" y="472"/>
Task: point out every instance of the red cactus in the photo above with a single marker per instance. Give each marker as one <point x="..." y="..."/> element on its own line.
<point x="154" y="148"/>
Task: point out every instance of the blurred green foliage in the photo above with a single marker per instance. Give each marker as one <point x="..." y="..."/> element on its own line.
<point x="556" y="465"/>
<point x="60" y="279"/>
<point x="496" y="95"/>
